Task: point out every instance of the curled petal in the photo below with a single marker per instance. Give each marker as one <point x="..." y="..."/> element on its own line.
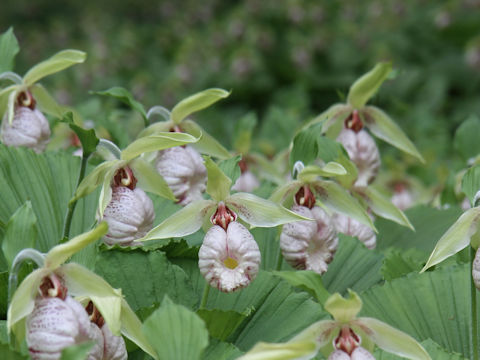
<point x="352" y="227"/>
<point x="229" y="260"/>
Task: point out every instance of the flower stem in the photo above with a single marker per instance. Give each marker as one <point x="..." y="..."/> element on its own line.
<point x="278" y="267"/>
<point x="206" y="290"/>
<point x="73" y="204"/>
<point x="473" y="294"/>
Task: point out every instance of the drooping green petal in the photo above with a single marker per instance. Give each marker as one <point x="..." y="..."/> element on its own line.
<point x="284" y="191"/>
<point x="61" y="253"/>
<point x="366" y="86"/>
<point x="298" y="350"/>
<point x="456" y="238"/>
<point x="218" y="184"/>
<point x="184" y="222"/>
<point x="383" y="207"/>
<point x="82" y="282"/>
<point x="382" y="126"/>
<point x="338" y="199"/>
<point x="311" y="172"/>
<point x="392" y="340"/>
<point x="158" y="127"/>
<point x="11" y="106"/>
<point x="150" y="180"/>
<point x="56" y="63"/>
<point x="155" y="142"/>
<point x="46" y="102"/>
<point x="24" y="298"/>
<point x="196" y="102"/>
<point x="207" y="144"/>
<point x="260" y="212"/>
<point x="132" y="329"/>
<point x="344" y="310"/>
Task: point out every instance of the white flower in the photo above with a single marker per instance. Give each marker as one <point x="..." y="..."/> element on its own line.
<point x="402" y="199"/>
<point x="363" y="151"/>
<point x="129" y="215"/>
<point x="114" y="345"/>
<point x="54" y="325"/>
<point x="28" y="128"/>
<point x="476" y="269"/>
<point x="358" y="354"/>
<point x="309" y="245"/>
<point x="352" y="227"/>
<point x="184" y="171"/>
<point x="229" y="260"/>
<point x="247" y="182"/>
<point x="95" y="334"/>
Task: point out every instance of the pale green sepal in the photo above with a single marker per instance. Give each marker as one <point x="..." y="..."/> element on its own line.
<point x="207" y="144"/>
<point x="284" y="191"/>
<point x="197" y="102"/>
<point x="311" y="172"/>
<point x="150" y="180"/>
<point x="98" y="176"/>
<point x="366" y="86"/>
<point x="321" y="332"/>
<point x="46" y="102"/>
<point x="184" y="222"/>
<point x="336" y="113"/>
<point x="298" y="350"/>
<point x="82" y="282"/>
<point x="338" y="199"/>
<point x="106" y="192"/>
<point x="11" y="76"/>
<point x="456" y="238"/>
<point x="11" y="106"/>
<point x="108" y="150"/>
<point x="218" y="184"/>
<point x="344" y="310"/>
<point x="158" y="127"/>
<point x="155" y="142"/>
<point x="259" y="212"/>
<point x="24" y="299"/>
<point x="382" y="126"/>
<point x="383" y="207"/>
<point x="349" y="178"/>
<point x="61" y="253"/>
<point x="392" y="340"/>
<point x="56" y="63"/>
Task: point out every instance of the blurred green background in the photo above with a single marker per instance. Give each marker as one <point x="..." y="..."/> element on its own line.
<point x="285" y="60"/>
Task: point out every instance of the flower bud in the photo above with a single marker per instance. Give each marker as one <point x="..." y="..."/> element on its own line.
<point x="55" y="324"/>
<point x="309" y="245"/>
<point x="129" y="215"/>
<point x="402" y="197"/>
<point x="229" y="260"/>
<point x="352" y="227"/>
<point x="28" y="128"/>
<point x="184" y="171"/>
<point x="247" y="182"/>
<point x="363" y="152"/>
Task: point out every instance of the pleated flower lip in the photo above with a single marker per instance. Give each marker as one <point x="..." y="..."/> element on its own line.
<point x="249" y="208"/>
<point x="321" y="336"/>
<point x="80" y="282"/>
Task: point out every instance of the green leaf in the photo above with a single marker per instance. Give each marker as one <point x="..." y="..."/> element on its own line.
<point x="77" y="352"/>
<point x="383" y="207"/>
<point x="196" y="102"/>
<point x="158" y="141"/>
<point x="218" y="350"/>
<point x="456" y="238"/>
<point x="337" y="199"/>
<point x="20" y="233"/>
<point x="400" y="263"/>
<point x="207" y="144"/>
<point x="465" y="140"/>
<point x="87" y="138"/>
<point x="366" y="86"/>
<point x="8" y="49"/>
<point x="46" y="102"/>
<point x="305" y="147"/>
<point x="176" y="332"/>
<point x="342" y="309"/>
<point x="218" y="184"/>
<point x="9" y="354"/>
<point x="56" y="63"/>
<point x="124" y="96"/>
<point x="471" y="183"/>
<point x="306" y="280"/>
<point x="150" y="180"/>
<point x="220" y="323"/>
<point x="163" y="277"/>
<point x="392" y="340"/>
<point x="230" y="167"/>
<point x="260" y="212"/>
<point x="439" y="308"/>
<point x="382" y="126"/>
<point x="184" y="222"/>
<point x="242" y="135"/>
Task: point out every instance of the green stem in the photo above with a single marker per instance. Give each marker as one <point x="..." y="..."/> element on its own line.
<point x="278" y="267"/>
<point x="73" y="204"/>
<point x="206" y="290"/>
<point x="473" y="294"/>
